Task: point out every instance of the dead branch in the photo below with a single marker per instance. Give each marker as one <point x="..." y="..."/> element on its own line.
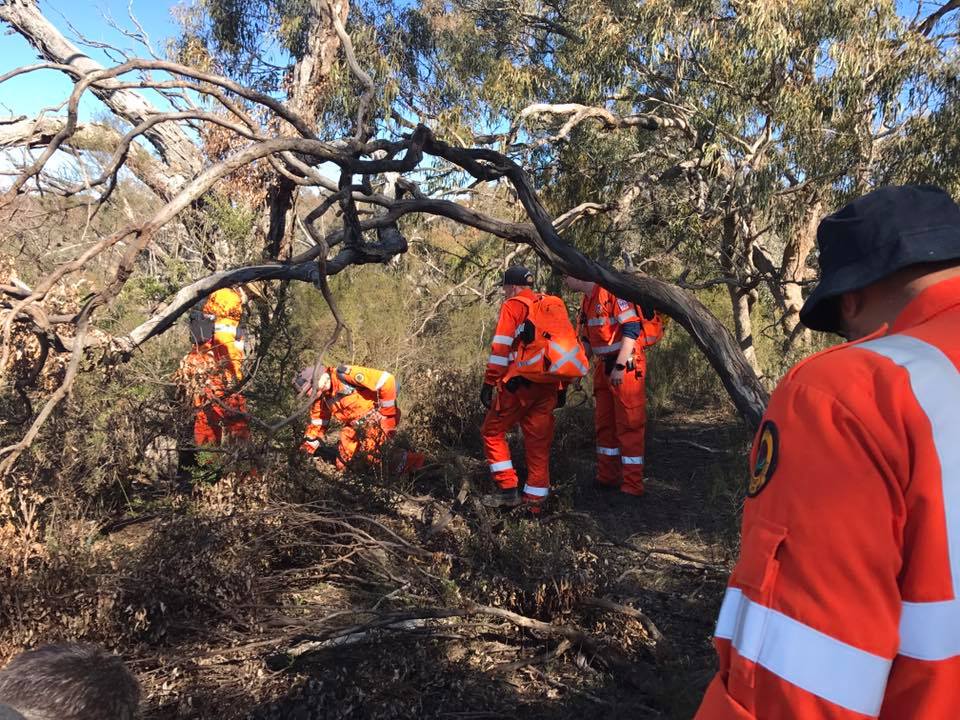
<point x="541" y="659"/>
<point x="607" y="119"/>
<point x="659" y="639"/>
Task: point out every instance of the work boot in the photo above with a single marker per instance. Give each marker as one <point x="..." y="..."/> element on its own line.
<point x="501" y="498"/>
<point x="604" y="487"/>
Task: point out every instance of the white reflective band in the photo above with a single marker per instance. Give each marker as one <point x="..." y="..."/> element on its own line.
<point x="502" y="340"/>
<point x="627" y="315"/>
<point x="220" y="327"/>
<point x="600" y="322"/>
<point x="535" y="491"/>
<point x="501" y="466"/>
<point x="312" y="444"/>
<point x="650" y="339"/>
<point x="567" y="356"/>
<point x="498" y="360"/>
<point x="632" y="459"/>
<point x="384" y="377"/>
<point x="936" y="386"/>
<point x="931" y="630"/>
<point x="607" y="349"/>
<point x="612" y="452"/>
<point x="532" y="361"/>
<point x="842" y="674"/>
<point x="317" y="421"/>
<point x="388" y="403"/>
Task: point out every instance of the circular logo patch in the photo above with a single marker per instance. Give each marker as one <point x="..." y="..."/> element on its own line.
<point x="358" y="377"/>
<point x="768" y="448"/>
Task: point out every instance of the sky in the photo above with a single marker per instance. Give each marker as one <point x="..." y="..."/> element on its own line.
<point x="25" y="95"/>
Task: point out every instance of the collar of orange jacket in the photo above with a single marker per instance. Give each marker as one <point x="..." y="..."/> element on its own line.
<point x="932" y="301"/>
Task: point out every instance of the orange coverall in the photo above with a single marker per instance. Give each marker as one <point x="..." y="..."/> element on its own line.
<point x="531" y="406"/>
<point x="213" y="368"/>
<point x="845" y="602"/>
<point x="209" y="371"/>
<point x="364" y="402"/>
<point x="620" y="416"/>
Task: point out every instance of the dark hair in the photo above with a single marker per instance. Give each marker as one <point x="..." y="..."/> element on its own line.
<point x="69" y="682"/>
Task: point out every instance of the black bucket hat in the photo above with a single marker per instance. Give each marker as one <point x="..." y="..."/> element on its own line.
<point x="875" y="236"/>
<point x="517" y="275"/>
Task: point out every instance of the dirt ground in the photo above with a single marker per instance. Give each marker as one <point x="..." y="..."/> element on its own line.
<point x="626" y="592"/>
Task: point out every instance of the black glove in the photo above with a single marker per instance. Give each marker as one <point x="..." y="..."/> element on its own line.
<point x="561" y="397"/>
<point x="486" y="395"/>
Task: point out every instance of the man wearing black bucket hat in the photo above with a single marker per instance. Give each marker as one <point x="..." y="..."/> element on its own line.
<point x="845" y="602"/>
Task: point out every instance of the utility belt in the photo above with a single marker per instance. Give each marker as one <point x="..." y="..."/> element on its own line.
<point x="609" y="361"/>
<point x="370" y="416"/>
<point x="517" y="382"/>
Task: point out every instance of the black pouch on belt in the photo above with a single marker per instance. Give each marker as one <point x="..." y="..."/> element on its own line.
<point x="516" y="382"/>
<point x="608" y="362"/>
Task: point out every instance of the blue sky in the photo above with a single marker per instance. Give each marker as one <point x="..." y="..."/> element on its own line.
<point x="25" y="95"/>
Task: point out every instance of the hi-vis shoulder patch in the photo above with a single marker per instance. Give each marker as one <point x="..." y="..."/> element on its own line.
<point x="768" y="450"/>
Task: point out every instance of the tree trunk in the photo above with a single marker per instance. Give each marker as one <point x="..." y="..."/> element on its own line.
<point x="734" y="254"/>
<point x="794" y="270"/>
<point x="742" y="304"/>
<point x="309" y="82"/>
<point x="281" y="200"/>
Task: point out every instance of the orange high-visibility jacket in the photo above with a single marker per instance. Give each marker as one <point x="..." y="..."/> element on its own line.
<point x="355" y="393"/>
<point x="845" y="602"/>
<point x="513" y="313"/>
<point x="226" y="306"/>
<point x="603" y="317"/>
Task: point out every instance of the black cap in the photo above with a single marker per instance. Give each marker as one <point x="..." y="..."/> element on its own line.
<point x="875" y="236"/>
<point x="517" y="275"/>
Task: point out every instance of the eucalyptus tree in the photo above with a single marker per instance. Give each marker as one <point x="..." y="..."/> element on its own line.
<point x="708" y="132"/>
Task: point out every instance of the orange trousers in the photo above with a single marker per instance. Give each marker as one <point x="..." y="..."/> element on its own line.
<point x="213" y="422"/>
<point x="620" y="419"/>
<point x="531" y="406"/>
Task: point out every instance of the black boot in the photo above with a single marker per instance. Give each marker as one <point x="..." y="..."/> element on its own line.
<point x="501" y="498"/>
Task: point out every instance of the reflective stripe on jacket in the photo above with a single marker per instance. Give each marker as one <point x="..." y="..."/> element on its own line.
<point x="603" y="318"/>
<point x="845" y="602"/>
<point x="513" y="313"/>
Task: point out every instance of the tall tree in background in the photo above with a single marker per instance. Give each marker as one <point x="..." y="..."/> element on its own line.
<point x="713" y="132"/>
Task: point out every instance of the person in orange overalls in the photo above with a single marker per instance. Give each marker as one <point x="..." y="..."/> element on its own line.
<point x="845" y="602"/>
<point x="214" y="367"/>
<point x="364" y="402"/>
<point x="618" y="332"/>
<point x="513" y="400"/>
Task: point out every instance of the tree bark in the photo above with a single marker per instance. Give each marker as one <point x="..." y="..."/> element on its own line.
<point x="732" y="256"/>
<point x="309" y="81"/>
<point x="798" y="248"/>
